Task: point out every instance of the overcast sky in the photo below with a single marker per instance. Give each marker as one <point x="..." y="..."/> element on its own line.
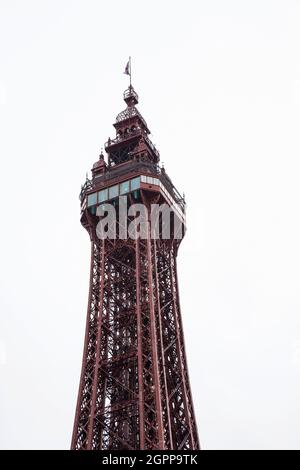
<point x="219" y="85"/>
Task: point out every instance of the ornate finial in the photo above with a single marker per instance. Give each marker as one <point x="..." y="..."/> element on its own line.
<point x="101" y="156"/>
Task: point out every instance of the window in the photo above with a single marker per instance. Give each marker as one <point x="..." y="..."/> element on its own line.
<point x="103" y="195"/>
<point x="92" y="199"/>
<point x="144" y="179"/>
<point x="124" y="187"/>
<point x="114" y="191"/>
<point x="135" y="183"/>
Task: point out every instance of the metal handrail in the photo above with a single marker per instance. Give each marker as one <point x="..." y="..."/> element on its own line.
<point x="125" y="137"/>
<point x="122" y="138"/>
<point x="152" y="146"/>
<point x="130" y="92"/>
<point x="128" y="113"/>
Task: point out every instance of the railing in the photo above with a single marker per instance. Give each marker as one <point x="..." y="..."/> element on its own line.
<point x="122" y="138"/>
<point x="172" y="190"/>
<point x="129" y="113"/>
<point x="84" y="188"/>
<point x="130" y="92"/>
<point x="152" y="146"/>
<point x="131" y="166"/>
<point x="130" y="134"/>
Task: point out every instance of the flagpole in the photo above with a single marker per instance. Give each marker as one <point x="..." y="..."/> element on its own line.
<point x="130" y="69"/>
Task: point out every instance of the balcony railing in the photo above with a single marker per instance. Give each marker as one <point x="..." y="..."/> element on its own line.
<point x="152" y="146"/>
<point x="130" y="92"/>
<point x="122" y="138"/>
<point x="128" y="136"/>
<point x="129" y="113"/>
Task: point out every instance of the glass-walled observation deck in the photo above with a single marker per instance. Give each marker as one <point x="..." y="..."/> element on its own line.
<point x="111" y="184"/>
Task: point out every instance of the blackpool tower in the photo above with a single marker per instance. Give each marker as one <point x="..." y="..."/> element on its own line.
<point x="134" y="390"/>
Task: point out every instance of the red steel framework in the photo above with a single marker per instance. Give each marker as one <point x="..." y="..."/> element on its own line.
<point x="134" y="390"/>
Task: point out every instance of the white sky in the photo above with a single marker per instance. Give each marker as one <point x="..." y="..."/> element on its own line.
<point x="219" y="85"/>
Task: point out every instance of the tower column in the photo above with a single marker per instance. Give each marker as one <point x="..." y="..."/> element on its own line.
<point x="83" y="409"/>
<point x="140" y="347"/>
<point x="165" y="402"/>
<point x="95" y="384"/>
<point x="156" y="376"/>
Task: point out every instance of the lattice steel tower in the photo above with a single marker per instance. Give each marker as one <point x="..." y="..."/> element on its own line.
<point x="134" y="388"/>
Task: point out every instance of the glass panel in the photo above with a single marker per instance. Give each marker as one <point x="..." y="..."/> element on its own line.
<point x="124" y="187"/>
<point x="144" y="179"/>
<point x="103" y="195"/>
<point x="155" y="181"/>
<point x="135" y="183"/>
<point x="114" y="191"/>
<point x="92" y="199"/>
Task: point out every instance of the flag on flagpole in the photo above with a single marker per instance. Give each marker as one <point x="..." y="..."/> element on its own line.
<point x="127" y="68"/>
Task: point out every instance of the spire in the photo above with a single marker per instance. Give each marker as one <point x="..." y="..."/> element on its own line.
<point x="100" y="166"/>
<point x="132" y="132"/>
<point x="131" y="98"/>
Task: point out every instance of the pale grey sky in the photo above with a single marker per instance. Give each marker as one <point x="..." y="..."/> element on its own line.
<point x="219" y="85"/>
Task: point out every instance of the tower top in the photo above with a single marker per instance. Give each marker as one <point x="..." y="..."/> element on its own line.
<point x="131" y="98"/>
<point x="131" y="141"/>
